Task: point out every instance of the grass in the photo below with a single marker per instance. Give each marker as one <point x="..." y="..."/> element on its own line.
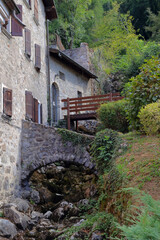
<point x="141" y="163"/>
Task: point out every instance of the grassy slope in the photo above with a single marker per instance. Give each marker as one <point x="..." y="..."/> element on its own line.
<point x="141" y="163"/>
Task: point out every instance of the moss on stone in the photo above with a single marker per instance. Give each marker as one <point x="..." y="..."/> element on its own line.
<point x="76" y="138"/>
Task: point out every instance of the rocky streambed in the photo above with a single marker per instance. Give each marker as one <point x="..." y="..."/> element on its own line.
<point x="53" y="202"/>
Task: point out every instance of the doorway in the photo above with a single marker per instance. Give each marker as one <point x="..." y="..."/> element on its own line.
<point x="55" y="103"/>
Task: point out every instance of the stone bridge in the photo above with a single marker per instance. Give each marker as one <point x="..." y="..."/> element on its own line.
<point x="42" y="145"/>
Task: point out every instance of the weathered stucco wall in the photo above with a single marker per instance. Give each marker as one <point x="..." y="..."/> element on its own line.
<point x="43" y="145"/>
<point x="69" y="87"/>
<point x="19" y="74"/>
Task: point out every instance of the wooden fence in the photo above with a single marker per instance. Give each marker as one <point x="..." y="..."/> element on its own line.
<point x="89" y="105"/>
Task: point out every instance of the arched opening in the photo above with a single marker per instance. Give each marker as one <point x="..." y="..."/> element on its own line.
<point x="55" y="103"/>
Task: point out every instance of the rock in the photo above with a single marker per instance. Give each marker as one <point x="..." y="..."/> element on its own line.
<point x="95" y="236"/>
<point x="35" y="196"/>
<point x="79" y="223"/>
<point x="79" y="235"/>
<point x="83" y="202"/>
<point x="58" y="214"/>
<point x="48" y="215"/>
<point x="19" y="219"/>
<point x="7" y="229"/>
<point x="36" y="216"/>
<point x="21" y="205"/>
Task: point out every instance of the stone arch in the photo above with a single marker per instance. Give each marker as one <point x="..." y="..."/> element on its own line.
<point x="43" y="145"/>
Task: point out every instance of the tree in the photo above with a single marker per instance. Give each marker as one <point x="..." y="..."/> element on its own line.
<point x="70" y="25"/>
<point x="154" y="25"/>
<point x="138" y="9"/>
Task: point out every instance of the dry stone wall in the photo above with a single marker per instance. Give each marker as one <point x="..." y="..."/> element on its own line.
<point x="42" y="145"/>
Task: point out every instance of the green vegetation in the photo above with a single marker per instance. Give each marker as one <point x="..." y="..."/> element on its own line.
<point x="104" y="148"/>
<point x="142" y="90"/>
<point x="147" y="225"/>
<point x="150" y="118"/>
<point x="77" y="139"/>
<point x="113" y="116"/>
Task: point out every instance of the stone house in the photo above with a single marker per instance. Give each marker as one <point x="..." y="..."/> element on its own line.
<point x="23" y="79"/>
<point x="70" y="76"/>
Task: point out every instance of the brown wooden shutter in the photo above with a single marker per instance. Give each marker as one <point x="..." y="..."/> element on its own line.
<point x="41" y="114"/>
<point x="35" y="110"/>
<point x="28" y="42"/>
<point x="16" y="28"/>
<point x="29" y="105"/>
<point x="37" y="56"/>
<point x="36" y="10"/>
<point x="7" y="102"/>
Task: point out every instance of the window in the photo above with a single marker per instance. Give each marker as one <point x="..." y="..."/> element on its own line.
<point x="37" y="57"/>
<point x="4" y="18"/>
<point x="62" y="75"/>
<point x="79" y="95"/>
<point x="28" y="42"/>
<point x="33" y="108"/>
<point x="7" y="102"/>
<point x="16" y="27"/>
<point x="28" y="3"/>
<point x="36" y="11"/>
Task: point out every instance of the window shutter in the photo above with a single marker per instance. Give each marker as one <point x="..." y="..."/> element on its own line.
<point x="7" y="102"/>
<point x="28" y="42"/>
<point x="29" y="105"/>
<point x="16" y="28"/>
<point x="41" y="114"/>
<point x="36" y="9"/>
<point x="35" y="110"/>
<point x="37" y="56"/>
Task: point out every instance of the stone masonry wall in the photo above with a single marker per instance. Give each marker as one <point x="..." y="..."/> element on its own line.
<point x="43" y="145"/>
<point x="69" y="87"/>
<point x="18" y="73"/>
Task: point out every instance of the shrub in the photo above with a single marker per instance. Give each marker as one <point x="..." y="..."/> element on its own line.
<point x="150" y="118"/>
<point x="104" y="147"/>
<point x="113" y="116"/>
<point x="142" y="90"/>
<point x="147" y="225"/>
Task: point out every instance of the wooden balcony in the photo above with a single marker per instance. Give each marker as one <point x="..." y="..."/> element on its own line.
<point x="85" y="108"/>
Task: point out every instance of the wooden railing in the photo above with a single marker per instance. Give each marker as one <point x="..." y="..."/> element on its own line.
<point x="83" y="104"/>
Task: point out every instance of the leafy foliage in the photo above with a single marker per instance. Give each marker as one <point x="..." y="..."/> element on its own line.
<point x="147" y="225"/>
<point x="104" y="147"/>
<point x="113" y="116"/>
<point x="77" y="139"/>
<point x="150" y="118"/>
<point x="142" y="90"/>
<point x="138" y="9"/>
<point x="154" y="25"/>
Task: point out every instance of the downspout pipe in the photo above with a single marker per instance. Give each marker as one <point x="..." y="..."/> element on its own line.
<point x="49" y="77"/>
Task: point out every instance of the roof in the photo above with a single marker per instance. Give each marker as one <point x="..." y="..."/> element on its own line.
<point x="12" y="5"/>
<point x="69" y="61"/>
<point x="50" y="8"/>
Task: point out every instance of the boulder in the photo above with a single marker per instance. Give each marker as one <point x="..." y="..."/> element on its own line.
<point x="19" y="219"/>
<point x="7" y="229"/>
<point x="48" y="215"/>
<point x="35" y="196"/>
<point x="36" y="216"/>
<point x="96" y="236"/>
<point x="21" y="205"/>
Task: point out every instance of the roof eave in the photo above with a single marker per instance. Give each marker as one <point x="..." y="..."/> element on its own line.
<point x="50" y="9"/>
<point x="84" y="70"/>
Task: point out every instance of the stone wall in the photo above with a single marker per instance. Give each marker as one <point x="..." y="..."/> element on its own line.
<point x="43" y="145"/>
<point x="74" y="82"/>
<point x="18" y="73"/>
